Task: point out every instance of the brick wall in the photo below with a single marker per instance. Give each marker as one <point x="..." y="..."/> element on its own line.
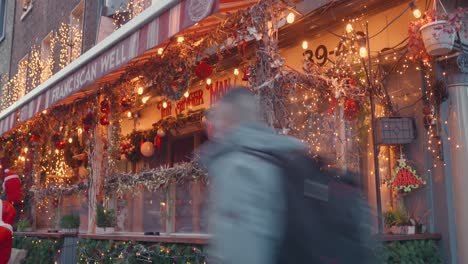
<point x="44" y="17"/>
<point x="5" y="44"/>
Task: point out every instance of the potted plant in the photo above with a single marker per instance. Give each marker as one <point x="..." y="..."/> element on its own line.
<point x="70" y="223"/>
<point x="24" y="225"/>
<point x="398" y="222"/>
<point x="434" y="34"/>
<point x="105" y="220"/>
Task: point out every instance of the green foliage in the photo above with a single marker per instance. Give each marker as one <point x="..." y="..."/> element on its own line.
<point x="409" y="252"/>
<point x="105" y="217"/>
<point x="397" y="217"/>
<point x="40" y="250"/>
<point x="70" y="221"/>
<point x="109" y="251"/>
<point x="23" y="224"/>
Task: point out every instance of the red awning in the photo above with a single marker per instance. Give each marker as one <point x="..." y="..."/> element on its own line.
<point x="127" y="43"/>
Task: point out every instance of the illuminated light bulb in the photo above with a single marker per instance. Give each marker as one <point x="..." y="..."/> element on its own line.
<point x="349" y="28"/>
<point x="180" y="39"/>
<point x="236" y="71"/>
<point x="290" y="18"/>
<point x="26" y="150"/>
<point x="145" y="99"/>
<point x="208" y="81"/>
<point x="70" y="140"/>
<point x="305" y="45"/>
<point x="56" y="151"/>
<point x="160" y="51"/>
<point x="164" y="105"/>
<point x="140" y="90"/>
<point x="186" y="94"/>
<point x="80" y="131"/>
<point x="129" y="114"/>
<point x="416" y="12"/>
<point x="44" y="112"/>
<point x="363" y="52"/>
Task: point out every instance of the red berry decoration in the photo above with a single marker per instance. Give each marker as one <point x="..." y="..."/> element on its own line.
<point x="88" y="120"/>
<point x="104" y="121"/>
<point x="203" y="70"/>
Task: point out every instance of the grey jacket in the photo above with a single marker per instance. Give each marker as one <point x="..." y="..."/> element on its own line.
<point x="248" y="200"/>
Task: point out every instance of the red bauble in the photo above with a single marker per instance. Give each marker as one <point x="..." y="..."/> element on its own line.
<point x="105" y="107"/>
<point x="60" y="144"/>
<point x="104" y="121"/>
<point x="203" y="70"/>
<point x="351" y="109"/>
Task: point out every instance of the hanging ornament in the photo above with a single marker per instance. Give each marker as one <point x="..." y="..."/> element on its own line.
<point x="246" y="75"/>
<point x="404" y="178"/>
<point x="105" y="106"/>
<point x="104" y="121"/>
<point x="351" y="109"/>
<point x="161" y="132"/>
<point x="157" y="142"/>
<point x="203" y="70"/>
<point x="147" y="149"/>
<point x="60" y="144"/>
<point x="34" y="141"/>
<point x="125" y="104"/>
<point x="88" y="120"/>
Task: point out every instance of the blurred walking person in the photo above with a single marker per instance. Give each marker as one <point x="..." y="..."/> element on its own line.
<point x="270" y="202"/>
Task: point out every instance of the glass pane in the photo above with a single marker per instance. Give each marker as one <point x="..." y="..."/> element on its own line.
<point x="184" y="208"/>
<point x="154" y="219"/>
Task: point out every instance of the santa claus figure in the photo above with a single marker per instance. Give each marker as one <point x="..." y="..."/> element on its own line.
<point x="7" y="213"/>
<point x="12" y="187"/>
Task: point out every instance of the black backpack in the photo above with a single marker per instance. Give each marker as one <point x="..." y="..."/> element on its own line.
<point x="328" y="218"/>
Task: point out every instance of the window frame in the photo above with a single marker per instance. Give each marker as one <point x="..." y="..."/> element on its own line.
<point x="3" y="7"/>
<point x="26" y="8"/>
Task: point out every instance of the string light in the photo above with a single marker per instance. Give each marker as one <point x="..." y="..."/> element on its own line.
<point x="349" y="28"/>
<point x="236" y="72"/>
<point x="180" y="39"/>
<point x="363" y="52"/>
<point x="186" y="94"/>
<point x="305" y="45"/>
<point x="290" y="18"/>
<point x="70" y="140"/>
<point x="129" y="114"/>
<point x="140" y="90"/>
<point x="164" y="104"/>
<point x="160" y="51"/>
<point x="145" y="99"/>
<point x="208" y="81"/>
<point x="416" y="12"/>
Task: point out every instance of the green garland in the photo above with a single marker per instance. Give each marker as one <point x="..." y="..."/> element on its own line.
<point x="40" y="250"/>
<point x="414" y="252"/>
<point x="129" y="252"/>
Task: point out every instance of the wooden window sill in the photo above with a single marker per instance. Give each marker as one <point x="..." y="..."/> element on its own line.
<point x="199" y="239"/>
<point x="391" y="237"/>
<point x="44" y="234"/>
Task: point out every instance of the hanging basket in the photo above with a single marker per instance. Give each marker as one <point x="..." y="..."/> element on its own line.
<point x="437" y="40"/>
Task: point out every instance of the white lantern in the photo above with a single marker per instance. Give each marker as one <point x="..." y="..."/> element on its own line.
<point x="147" y="149"/>
<point x="161" y="133"/>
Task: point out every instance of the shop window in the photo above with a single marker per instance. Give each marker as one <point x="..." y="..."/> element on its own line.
<point x="76" y="31"/>
<point x="27" y="6"/>
<point x="47" y="57"/>
<point x="2" y="19"/>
